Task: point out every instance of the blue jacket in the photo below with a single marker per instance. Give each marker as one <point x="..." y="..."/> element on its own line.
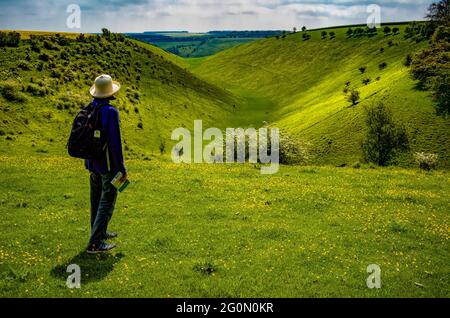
<point x="112" y="161"/>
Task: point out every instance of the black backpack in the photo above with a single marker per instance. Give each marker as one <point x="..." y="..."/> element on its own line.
<point x="86" y="140"/>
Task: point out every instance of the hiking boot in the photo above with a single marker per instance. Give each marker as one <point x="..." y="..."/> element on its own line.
<point x="110" y="235"/>
<point x="103" y="248"/>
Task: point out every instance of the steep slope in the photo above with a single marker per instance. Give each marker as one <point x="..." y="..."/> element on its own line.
<point x="304" y="82"/>
<point x="46" y="79"/>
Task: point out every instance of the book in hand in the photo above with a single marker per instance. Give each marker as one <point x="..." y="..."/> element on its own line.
<point x="119" y="184"/>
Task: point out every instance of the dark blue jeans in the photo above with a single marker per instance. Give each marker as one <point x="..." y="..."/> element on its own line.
<point x="103" y="199"/>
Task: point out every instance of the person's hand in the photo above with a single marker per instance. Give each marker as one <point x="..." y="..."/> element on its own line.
<point x="124" y="177"/>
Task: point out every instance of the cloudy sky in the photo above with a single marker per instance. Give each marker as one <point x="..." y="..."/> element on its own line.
<point x="200" y="15"/>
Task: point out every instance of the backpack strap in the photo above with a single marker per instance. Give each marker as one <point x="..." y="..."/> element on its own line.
<point x="99" y="123"/>
<point x="108" y="161"/>
<point x="107" y="158"/>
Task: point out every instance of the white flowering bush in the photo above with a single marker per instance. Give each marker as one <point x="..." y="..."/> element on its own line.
<point x="426" y="161"/>
<point x="292" y="151"/>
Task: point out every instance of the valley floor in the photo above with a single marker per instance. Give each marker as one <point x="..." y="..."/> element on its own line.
<point x="226" y="231"/>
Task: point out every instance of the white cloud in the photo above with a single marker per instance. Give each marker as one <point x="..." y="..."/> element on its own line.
<point x="202" y="15"/>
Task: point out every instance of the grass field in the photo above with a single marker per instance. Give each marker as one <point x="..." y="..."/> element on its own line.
<point x="226" y="231"/>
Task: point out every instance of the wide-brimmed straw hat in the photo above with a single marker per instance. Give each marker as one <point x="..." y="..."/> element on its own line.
<point x="104" y="87"/>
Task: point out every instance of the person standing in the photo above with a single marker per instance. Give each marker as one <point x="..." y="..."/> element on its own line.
<point x="103" y="194"/>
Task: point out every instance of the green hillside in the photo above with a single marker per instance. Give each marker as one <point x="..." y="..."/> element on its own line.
<point x="288" y="82"/>
<point x="303" y="81"/>
<point x="46" y="80"/>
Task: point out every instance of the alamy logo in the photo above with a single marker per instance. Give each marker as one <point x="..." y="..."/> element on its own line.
<point x="374" y="18"/>
<point x="258" y="146"/>
<point x="74" y="279"/>
<point x="74" y="19"/>
<point x="374" y="279"/>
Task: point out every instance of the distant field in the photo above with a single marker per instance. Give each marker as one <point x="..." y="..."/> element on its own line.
<point x="202" y="48"/>
<point x="190" y="45"/>
<point x="181" y="35"/>
<point x="226" y="231"/>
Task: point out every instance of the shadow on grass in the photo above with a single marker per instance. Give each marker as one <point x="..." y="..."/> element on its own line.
<point x="93" y="267"/>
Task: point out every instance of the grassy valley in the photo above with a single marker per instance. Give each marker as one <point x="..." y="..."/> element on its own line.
<point x="304" y="80"/>
<point x="222" y="230"/>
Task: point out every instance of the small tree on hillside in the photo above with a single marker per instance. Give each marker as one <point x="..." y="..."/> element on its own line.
<point x="386" y="30"/>
<point x="384" y="137"/>
<point x="371" y="31"/>
<point x="349" y="32"/>
<point x="324" y="34"/>
<point x="294" y="30"/>
<point x="332" y="35"/>
<point x="303" y="28"/>
<point x="366" y="81"/>
<point x="395" y="30"/>
<point x="106" y="33"/>
<point x="358" y="32"/>
<point x="353" y="97"/>
<point x="363" y="69"/>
